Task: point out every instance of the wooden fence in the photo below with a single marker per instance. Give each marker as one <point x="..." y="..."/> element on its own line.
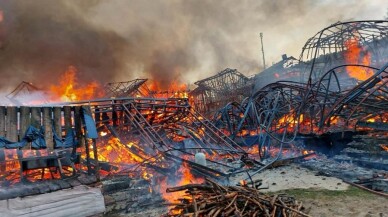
<point x="14" y="122"/>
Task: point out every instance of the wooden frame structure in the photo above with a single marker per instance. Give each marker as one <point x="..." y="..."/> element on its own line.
<point x="61" y="120"/>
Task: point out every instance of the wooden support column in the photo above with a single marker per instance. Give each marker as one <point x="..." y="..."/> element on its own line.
<point x="36" y="117"/>
<point x="2" y="121"/>
<point x="87" y="111"/>
<point x="48" y="127"/>
<point x="58" y="121"/>
<point x="25" y="122"/>
<point x="78" y="126"/>
<point x="95" y="154"/>
<point x="67" y="117"/>
<point x="97" y="115"/>
<point x="114" y="116"/>
<point x="11" y="124"/>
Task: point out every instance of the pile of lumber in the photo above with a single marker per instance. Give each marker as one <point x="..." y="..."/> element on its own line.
<point x="212" y="199"/>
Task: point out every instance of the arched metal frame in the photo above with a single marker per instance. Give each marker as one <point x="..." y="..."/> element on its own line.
<point x="325" y="49"/>
<point x="329" y="100"/>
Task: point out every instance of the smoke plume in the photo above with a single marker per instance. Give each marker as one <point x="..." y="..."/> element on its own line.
<point x="166" y="41"/>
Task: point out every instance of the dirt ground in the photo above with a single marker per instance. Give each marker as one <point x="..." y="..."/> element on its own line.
<point x="294" y="177"/>
<point x="322" y="196"/>
<point x="353" y="202"/>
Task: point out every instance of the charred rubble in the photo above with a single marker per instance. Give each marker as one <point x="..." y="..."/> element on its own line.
<point x="136" y="145"/>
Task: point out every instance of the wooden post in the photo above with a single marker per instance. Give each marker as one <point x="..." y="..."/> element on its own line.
<point x="35" y="117"/>
<point x="95" y="154"/>
<point x="25" y="122"/>
<point x="48" y="127"/>
<point x="114" y="116"/>
<point x="57" y="121"/>
<point x="2" y="121"/>
<point x="87" y="111"/>
<point x="3" y="165"/>
<point x="78" y="125"/>
<point x="97" y="115"/>
<point x="11" y="124"/>
<point x="67" y="117"/>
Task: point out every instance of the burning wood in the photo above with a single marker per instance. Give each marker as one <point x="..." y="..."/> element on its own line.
<point x="70" y="90"/>
<point x="212" y="199"/>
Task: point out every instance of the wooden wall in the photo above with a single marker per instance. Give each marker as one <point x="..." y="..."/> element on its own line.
<point x="14" y="121"/>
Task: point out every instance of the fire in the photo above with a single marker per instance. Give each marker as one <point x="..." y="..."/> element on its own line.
<point x="174" y="90"/>
<point x="254" y="150"/>
<point x="290" y="120"/>
<point x="371" y="120"/>
<point x="384" y="147"/>
<point x="243" y="182"/>
<point x="116" y="152"/>
<point x="186" y="178"/>
<point x="70" y="90"/>
<point x="355" y="54"/>
<point x="11" y="166"/>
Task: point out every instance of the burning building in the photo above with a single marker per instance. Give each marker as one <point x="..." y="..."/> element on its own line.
<point x="137" y="138"/>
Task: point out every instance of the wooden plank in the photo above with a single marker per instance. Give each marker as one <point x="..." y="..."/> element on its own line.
<point x="48" y="124"/>
<point x="25" y="122"/>
<point x="11" y="124"/>
<point x="67" y="117"/>
<point x="78" y="126"/>
<point x="76" y="202"/>
<point x="36" y="117"/>
<point x="57" y="121"/>
<point x="2" y="121"/>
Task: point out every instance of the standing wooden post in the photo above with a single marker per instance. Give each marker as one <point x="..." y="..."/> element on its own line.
<point x="67" y="117"/>
<point x="25" y="122"/>
<point x="91" y="134"/>
<point x="48" y="127"/>
<point x="78" y="125"/>
<point x="35" y="117"/>
<point x="97" y="115"/>
<point x="114" y="116"/>
<point x="95" y="154"/>
<point x="58" y="121"/>
<point x="2" y="121"/>
<point x="11" y="124"/>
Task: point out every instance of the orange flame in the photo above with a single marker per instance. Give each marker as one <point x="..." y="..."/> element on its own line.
<point x="186" y="178"/>
<point x="384" y="147"/>
<point x="355" y="54"/>
<point x="69" y="90"/>
<point x="243" y="182"/>
<point x="116" y="152"/>
<point x="174" y="90"/>
<point x="290" y="120"/>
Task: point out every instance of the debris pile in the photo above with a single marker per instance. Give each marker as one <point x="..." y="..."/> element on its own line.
<point x="212" y="199"/>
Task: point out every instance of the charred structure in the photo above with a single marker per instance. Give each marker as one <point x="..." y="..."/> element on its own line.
<point x="215" y="91"/>
<point x="141" y="140"/>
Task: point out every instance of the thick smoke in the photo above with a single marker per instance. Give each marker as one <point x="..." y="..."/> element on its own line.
<point x="176" y="40"/>
<point x="40" y="39"/>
